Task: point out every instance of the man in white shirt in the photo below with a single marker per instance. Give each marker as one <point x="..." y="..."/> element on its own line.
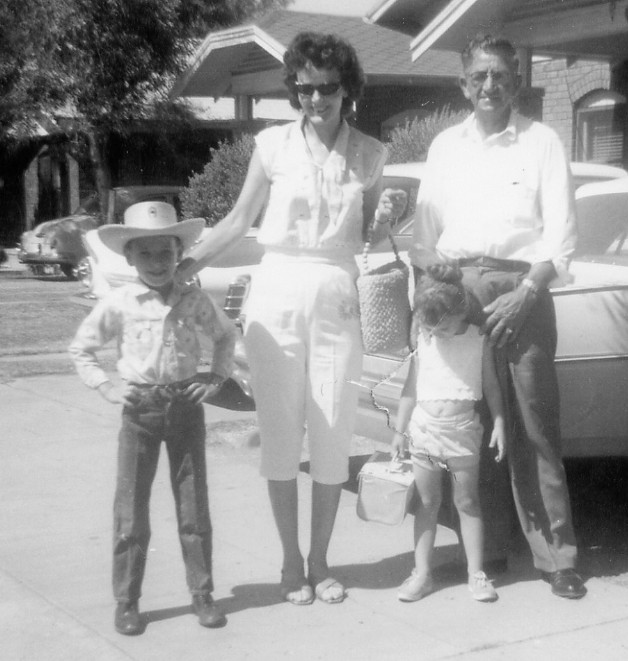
<point x="497" y="198"/>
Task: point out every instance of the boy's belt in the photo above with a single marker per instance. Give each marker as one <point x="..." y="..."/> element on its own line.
<point x="161" y="393"/>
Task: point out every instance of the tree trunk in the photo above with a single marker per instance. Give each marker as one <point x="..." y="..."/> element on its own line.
<point x="99" y="156"/>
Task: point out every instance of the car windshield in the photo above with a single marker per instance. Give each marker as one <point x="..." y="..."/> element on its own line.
<point x="90" y="205"/>
<point x="602" y="219"/>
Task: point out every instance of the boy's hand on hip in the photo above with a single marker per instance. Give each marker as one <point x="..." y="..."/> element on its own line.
<point x="116" y="395"/>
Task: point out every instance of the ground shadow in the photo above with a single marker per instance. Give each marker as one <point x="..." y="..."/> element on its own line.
<point x="165" y="614"/>
<point x="244" y="597"/>
<point x="600" y="511"/>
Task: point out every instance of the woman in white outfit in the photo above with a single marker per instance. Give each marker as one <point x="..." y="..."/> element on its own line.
<point x="321" y="181"/>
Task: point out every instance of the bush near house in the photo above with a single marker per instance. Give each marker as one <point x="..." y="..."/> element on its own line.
<point x="212" y="193"/>
<point x="411" y="142"/>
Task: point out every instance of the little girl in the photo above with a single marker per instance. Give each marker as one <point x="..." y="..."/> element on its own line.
<point x="452" y="368"/>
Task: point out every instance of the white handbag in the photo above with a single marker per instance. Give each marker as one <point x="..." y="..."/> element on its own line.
<point x="385" y="489"/>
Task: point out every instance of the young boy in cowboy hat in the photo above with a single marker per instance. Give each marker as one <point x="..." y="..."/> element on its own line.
<point x="154" y="322"/>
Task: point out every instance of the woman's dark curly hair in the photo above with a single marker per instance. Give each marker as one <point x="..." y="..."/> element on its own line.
<point x="440" y="294"/>
<point x="324" y="51"/>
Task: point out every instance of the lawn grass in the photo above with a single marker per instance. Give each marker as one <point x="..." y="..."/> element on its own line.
<point x="45" y="326"/>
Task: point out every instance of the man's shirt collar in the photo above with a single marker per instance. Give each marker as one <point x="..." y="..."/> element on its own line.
<point x="471" y="129"/>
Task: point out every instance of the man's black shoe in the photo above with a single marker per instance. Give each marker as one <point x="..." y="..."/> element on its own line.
<point x="127" y="620"/>
<point x="566" y="583"/>
<point x="209" y="615"/>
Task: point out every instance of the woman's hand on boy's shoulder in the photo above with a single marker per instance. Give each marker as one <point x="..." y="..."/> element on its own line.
<point x="185" y="270"/>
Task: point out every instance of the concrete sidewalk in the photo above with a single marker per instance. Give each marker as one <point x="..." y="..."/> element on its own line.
<point x="57" y="470"/>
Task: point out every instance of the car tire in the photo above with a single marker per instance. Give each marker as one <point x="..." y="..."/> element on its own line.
<point x="83" y="273"/>
<point x="68" y="271"/>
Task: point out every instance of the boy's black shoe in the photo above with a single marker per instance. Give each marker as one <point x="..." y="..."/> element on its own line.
<point x="209" y="615"/>
<point x="127" y="620"/>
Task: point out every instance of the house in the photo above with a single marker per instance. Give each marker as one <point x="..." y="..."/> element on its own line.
<point x="245" y="62"/>
<point x="576" y="51"/>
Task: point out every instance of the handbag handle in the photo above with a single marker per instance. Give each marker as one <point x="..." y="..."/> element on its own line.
<point x="367" y="248"/>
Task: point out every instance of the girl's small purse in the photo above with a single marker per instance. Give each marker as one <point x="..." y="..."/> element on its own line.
<point x="385" y="312"/>
<point x="385" y="489"/>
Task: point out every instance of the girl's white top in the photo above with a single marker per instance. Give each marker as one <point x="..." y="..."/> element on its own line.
<point x="450" y="368"/>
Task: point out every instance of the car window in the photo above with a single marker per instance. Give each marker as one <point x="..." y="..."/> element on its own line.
<point x="89" y="205"/>
<point x="602" y="222"/>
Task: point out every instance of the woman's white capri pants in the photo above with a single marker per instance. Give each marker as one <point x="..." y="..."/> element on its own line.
<point x="303" y="342"/>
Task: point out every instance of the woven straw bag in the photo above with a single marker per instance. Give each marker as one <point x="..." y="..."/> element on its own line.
<point x="384" y="305"/>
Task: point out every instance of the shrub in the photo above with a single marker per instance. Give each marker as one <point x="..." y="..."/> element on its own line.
<point x="412" y="141"/>
<point x="212" y="193"/>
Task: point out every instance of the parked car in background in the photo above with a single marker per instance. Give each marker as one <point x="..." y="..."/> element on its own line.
<point x="56" y="246"/>
<point x="592" y="312"/>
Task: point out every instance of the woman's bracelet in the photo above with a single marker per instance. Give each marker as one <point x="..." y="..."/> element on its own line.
<point x="378" y="215"/>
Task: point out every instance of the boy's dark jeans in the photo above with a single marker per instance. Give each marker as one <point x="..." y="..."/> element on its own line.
<point x="181" y="425"/>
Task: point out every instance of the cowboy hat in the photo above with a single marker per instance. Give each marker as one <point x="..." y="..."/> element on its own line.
<point x="151" y="219"/>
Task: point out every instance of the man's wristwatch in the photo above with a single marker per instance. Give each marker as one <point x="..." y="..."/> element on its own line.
<point x="531" y="286"/>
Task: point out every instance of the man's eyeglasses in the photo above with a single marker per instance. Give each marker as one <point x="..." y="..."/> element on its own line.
<point x="325" y="89"/>
<point x="498" y="77"/>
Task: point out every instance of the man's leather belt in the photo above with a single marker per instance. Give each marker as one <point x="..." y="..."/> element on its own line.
<point x="495" y="264"/>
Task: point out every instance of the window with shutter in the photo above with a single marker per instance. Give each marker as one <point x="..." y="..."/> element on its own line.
<point x="601" y="129"/>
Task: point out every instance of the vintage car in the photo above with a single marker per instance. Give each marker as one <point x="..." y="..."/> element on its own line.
<point x="56" y="246"/>
<point x="592" y="313"/>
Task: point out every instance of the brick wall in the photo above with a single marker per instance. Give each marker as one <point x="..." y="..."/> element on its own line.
<point x="565" y="82"/>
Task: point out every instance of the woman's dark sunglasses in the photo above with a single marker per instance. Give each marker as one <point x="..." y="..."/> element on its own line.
<point x="326" y="89"/>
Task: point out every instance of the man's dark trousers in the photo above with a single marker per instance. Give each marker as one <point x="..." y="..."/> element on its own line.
<point x="528" y="378"/>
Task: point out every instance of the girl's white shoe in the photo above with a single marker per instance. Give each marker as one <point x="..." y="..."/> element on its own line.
<point x="415" y="587"/>
<point x="481" y="588"/>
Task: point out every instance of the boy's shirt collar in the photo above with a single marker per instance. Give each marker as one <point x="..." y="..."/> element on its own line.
<point x="140" y="290"/>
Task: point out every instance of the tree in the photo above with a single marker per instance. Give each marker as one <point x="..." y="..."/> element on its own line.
<point x="110" y="63"/>
<point x="27" y="35"/>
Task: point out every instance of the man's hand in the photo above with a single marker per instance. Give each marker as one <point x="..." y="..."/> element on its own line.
<point x="507" y="314"/>
<point x="203" y="388"/>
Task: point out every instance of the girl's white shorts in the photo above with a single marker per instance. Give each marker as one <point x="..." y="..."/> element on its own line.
<point x="451" y="442"/>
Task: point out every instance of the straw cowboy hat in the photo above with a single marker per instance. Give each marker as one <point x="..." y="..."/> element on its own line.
<point x="151" y="219"/>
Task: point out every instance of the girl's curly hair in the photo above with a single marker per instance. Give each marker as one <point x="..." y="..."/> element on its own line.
<point x="324" y="51"/>
<point x="439" y="294"/>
